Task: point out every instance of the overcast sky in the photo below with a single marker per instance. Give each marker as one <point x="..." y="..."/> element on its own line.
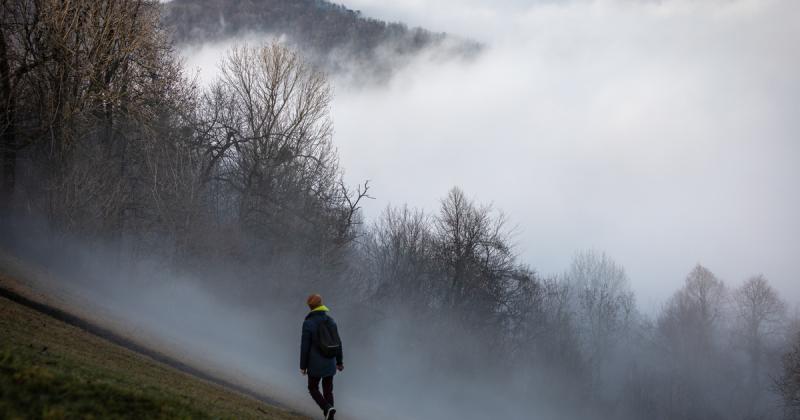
<point x="665" y="133"/>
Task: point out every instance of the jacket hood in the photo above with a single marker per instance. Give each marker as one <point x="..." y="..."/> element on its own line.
<point x="321" y="308"/>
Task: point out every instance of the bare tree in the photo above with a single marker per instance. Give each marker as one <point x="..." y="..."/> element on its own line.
<point x="266" y="138"/>
<point x="604" y="304"/>
<point x="691" y="318"/>
<point x="759" y="314"/>
<point x="546" y="345"/>
<point x="82" y="84"/>
<point x="788" y="382"/>
<point x="400" y="252"/>
<point x="704" y="298"/>
<point x="689" y="331"/>
<point x="474" y="255"/>
<point x="275" y="134"/>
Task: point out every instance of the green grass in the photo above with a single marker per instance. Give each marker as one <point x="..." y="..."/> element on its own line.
<point x="30" y="390"/>
<point x="52" y="370"/>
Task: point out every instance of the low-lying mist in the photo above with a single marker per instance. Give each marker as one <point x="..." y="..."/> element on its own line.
<point x="245" y="328"/>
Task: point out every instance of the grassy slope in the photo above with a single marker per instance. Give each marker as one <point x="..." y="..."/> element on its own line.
<point x="49" y="369"/>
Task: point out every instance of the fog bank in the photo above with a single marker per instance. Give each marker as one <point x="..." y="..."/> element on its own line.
<point x="664" y="133"/>
<point x="661" y="132"/>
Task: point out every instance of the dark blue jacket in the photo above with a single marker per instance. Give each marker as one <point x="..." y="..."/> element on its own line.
<point x="310" y="357"/>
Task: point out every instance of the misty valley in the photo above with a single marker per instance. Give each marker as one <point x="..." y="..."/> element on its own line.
<point x="552" y="210"/>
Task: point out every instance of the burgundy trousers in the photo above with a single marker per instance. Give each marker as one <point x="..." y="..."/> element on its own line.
<point x="325" y="399"/>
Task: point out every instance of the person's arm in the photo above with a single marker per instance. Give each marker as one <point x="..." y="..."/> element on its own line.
<point x="339" y="354"/>
<point x="305" y="346"/>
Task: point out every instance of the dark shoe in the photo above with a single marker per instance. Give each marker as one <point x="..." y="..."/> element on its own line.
<point x="330" y="413"/>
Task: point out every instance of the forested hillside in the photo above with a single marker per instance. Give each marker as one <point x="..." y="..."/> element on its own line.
<point x="329" y="34"/>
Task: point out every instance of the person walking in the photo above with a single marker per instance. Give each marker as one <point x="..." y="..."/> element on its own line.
<point x="320" y="354"/>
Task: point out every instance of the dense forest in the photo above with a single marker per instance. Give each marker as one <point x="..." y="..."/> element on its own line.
<point x="332" y="36"/>
<point x="106" y="142"/>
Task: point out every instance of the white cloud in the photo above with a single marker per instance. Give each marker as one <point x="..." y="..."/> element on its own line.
<point x="665" y="133"/>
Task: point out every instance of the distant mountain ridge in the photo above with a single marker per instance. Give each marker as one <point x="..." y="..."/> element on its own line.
<point x="330" y="35"/>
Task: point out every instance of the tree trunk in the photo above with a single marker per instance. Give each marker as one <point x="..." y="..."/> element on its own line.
<point x="8" y="142"/>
